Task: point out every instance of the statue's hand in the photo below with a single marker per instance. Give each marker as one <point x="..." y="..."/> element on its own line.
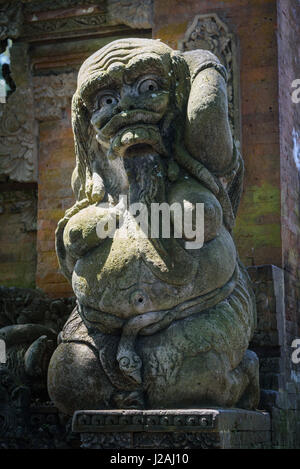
<point x="194" y="167"/>
<point x="205" y="177"/>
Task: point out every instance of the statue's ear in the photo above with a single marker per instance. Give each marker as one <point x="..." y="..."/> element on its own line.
<point x="86" y="180"/>
<point x="181" y="80"/>
<point x="82" y="136"/>
<point x="76" y="185"/>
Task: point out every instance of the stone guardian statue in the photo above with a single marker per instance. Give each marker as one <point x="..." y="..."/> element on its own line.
<point x="160" y="322"/>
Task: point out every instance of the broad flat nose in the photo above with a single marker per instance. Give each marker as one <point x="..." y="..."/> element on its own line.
<point x="127" y="100"/>
<point x="126" y="104"/>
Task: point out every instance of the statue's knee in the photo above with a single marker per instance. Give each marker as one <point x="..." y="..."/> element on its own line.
<point x="76" y="379"/>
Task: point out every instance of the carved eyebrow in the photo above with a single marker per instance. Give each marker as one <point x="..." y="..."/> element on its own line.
<point x="106" y="81"/>
<point x="150" y="64"/>
<point x="99" y="82"/>
<point x="112" y="77"/>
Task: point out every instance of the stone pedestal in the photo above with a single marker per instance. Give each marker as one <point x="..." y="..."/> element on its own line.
<point x="173" y="429"/>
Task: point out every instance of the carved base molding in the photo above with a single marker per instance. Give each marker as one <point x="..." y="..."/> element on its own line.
<point x="180" y="429"/>
<point x="28" y="423"/>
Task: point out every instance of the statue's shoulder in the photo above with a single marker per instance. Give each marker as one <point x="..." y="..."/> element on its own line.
<point x="201" y="59"/>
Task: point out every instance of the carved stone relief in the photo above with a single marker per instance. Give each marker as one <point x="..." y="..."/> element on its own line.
<point x="25" y="423"/>
<point x="18" y="128"/>
<point x="160" y="440"/>
<point x="52" y="94"/>
<point x="134" y="13"/>
<point x="11" y="18"/>
<point x="46" y="5"/>
<point x="198" y="428"/>
<point x="22" y="18"/>
<point x="88" y="15"/>
<point x="61" y="25"/>
<point x="21" y="202"/>
<point x="28" y="211"/>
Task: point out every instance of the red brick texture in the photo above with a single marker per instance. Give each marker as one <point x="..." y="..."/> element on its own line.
<point x="56" y="163"/>
<point x="254" y="23"/>
<point x="289" y="113"/>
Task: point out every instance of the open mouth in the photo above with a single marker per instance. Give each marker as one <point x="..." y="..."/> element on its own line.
<point x="139" y="149"/>
<point x="135" y="139"/>
<point x="127" y="118"/>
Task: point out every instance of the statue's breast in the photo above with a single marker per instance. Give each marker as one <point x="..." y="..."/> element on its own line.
<point x="126" y="277"/>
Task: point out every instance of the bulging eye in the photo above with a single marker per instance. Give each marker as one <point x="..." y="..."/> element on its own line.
<point x="107" y="100"/>
<point x="148" y="85"/>
<point x="124" y="362"/>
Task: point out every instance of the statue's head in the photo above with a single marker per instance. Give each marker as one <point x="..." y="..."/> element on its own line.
<point x="129" y="95"/>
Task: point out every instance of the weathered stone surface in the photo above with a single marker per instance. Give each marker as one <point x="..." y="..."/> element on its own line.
<point x="29" y="324"/>
<point x="11" y="20"/>
<point x="163" y="324"/>
<point x="28" y="424"/>
<point x="18" y="236"/>
<point x="52" y="95"/>
<point x="272" y="341"/>
<point x="184" y="429"/>
<point x="135" y="14"/>
<point x="88" y="421"/>
<point x="36" y="21"/>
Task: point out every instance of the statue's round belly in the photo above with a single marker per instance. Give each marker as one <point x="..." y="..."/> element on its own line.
<point x="130" y="277"/>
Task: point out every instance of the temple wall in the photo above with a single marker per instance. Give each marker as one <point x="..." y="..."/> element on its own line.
<point x="289" y="114"/>
<point x="37" y="154"/>
<point x="18" y="235"/>
<point x="254" y="24"/>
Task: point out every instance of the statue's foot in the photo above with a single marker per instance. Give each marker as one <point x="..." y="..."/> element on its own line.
<point x="251" y="395"/>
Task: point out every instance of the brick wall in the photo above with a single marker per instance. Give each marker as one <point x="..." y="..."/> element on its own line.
<point x="289" y="112"/>
<point x="56" y="163"/>
<point x="254" y="23"/>
<point x="289" y="115"/>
